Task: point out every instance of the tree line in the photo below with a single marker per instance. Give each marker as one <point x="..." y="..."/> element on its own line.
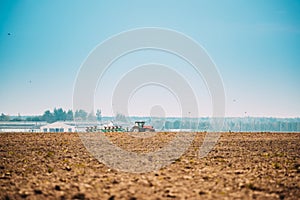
<point x="58" y="114"/>
<point x="237" y="124"/>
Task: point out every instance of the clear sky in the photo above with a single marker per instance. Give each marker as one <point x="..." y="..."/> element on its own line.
<point x="255" y="45"/>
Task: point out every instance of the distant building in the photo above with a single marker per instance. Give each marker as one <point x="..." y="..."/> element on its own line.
<point x="22" y="126"/>
<point x="57" y="127"/>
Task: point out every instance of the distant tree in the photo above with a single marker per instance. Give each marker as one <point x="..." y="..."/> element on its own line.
<point x="28" y="119"/>
<point x="177" y="124"/>
<point x="91" y="116"/>
<point x="69" y="116"/>
<point x="121" y="118"/>
<point x="99" y="115"/>
<point x="186" y="124"/>
<point x="4" y="117"/>
<point x="193" y="125"/>
<point x="48" y="116"/>
<point x="80" y="115"/>
<point x="203" y="126"/>
<point x="168" y="125"/>
<point x="34" y="118"/>
<point x="59" y="114"/>
<point x="17" y="119"/>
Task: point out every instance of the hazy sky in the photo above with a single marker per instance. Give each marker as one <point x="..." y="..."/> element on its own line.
<point x="255" y="45"/>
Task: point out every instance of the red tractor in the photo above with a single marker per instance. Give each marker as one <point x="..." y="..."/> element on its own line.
<point x="139" y="126"/>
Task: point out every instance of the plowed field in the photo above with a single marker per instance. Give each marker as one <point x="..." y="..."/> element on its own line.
<point x="241" y="166"/>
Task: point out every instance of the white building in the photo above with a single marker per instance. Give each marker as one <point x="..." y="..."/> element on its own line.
<point x="57" y="127"/>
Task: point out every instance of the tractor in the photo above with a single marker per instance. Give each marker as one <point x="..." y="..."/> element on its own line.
<point x="139" y="126"/>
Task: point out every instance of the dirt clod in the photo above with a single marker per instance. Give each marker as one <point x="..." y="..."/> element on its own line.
<point x="79" y="196"/>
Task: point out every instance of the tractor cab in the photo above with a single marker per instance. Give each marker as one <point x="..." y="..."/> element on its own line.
<point x="140" y="124"/>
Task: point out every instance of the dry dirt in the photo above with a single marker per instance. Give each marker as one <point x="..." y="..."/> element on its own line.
<point x="241" y="166"/>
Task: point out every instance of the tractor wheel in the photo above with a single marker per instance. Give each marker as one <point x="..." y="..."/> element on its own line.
<point x="136" y="129"/>
<point x="147" y="130"/>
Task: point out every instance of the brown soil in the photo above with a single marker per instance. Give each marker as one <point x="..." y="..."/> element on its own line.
<point x="241" y="166"/>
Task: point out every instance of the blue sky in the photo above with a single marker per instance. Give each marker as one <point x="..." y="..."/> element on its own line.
<point x="255" y="45"/>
